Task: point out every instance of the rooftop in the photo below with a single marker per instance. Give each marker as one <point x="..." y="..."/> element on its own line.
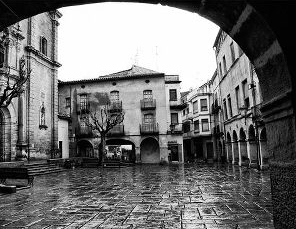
<point x="133" y="72"/>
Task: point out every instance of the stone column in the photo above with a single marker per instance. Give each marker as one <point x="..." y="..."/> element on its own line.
<point x="239" y="146"/>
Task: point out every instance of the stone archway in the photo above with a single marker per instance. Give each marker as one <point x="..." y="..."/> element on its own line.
<point x="128" y="153"/>
<point x="243" y="147"/>
<point x="85" y="149"/>
<point x="149" y="150"/>
<point x="261" y="30"/>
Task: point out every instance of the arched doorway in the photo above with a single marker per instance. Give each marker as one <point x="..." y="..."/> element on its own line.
<point x="149" y="151"/>
<point x="235" y="149"/>
<point x="126" y="147"/>
<point x="243" y="147"/>
<point x="252" y="147"/>
<point x="229" y="148"/>
<point x="85" y="149"/>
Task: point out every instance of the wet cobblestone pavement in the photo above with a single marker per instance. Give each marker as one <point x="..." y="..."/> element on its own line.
<point x="189" y="196"/>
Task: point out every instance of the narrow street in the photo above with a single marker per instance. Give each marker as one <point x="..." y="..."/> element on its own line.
<point x="148" y="196"/>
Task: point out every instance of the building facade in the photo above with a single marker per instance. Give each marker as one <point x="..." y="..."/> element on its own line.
<point x="151" y="103"/>
<point x="196" y="118"/>
<point x="29" y="124"/>
<point x="239" y="131"/>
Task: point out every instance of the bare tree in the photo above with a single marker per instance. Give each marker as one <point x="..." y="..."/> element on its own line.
<point x="14" y="89"/>
<point x="103" y="121"/>
<point x="13" y="86"/>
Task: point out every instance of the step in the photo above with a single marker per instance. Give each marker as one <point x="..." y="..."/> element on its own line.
<point x="46" y="172"/>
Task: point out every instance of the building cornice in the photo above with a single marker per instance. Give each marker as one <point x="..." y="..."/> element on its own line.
<point x="111" y="78"/>
<point x="31" y="49"/>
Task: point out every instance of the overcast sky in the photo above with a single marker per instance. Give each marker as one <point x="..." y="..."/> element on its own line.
<point x="104" y="38"/>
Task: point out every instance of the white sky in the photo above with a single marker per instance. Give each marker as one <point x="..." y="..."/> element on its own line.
<point x="104" y="38"/>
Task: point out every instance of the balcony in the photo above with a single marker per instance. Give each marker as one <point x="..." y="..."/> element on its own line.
<point x="83" y="108"/>
<point x="83" y="131"/>
<point x="115" y="106"/>
<point x="177" y="105"/>
<point x="148" y="104"/>
<point x="171" y="79"/>
<point x="188" y="117"/>
<point x="149" y="128"/>
<point x="117" y="130"/>
<point x="176" y="129"/>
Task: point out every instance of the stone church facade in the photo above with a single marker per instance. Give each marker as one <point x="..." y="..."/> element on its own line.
<point x="29" y="124"/>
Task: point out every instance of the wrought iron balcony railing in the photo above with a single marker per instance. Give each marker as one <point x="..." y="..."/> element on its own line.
<point x="177" y="105"/>
<point x="176" y="128"/>
<point x="171" y="78"/>
<point x="148" y="104"/>
<point x="149" y="128"/>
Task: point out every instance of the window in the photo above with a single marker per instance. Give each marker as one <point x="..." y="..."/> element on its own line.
<point x="173" y="95"/>
<point x="232" y="52"/>
<point x="43" y="45"/>
<point x="2" y="56"/>
<point x="224" y="65"/>
<point x="225" y="109"/>
<point x="147" y="95"/>
<point x="174" y="118"/>
<point x="68" y="102"/>
<point x="203" y="105"/>
<point x="205" y="125"/>
<point x="195" y="106"/>
<point x="184" y="112"/>
<point x="237" y="97"/>
<point x="229" y="105"/>
<point x="196" y="125"/>
<point x="148" y="118"/>
<point x="246" y="94"/>
<point x="83" y="102"/>
<point x="114" y="96"/>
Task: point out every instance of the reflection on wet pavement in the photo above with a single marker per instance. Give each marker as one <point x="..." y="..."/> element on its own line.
<point x="148" y="196"/>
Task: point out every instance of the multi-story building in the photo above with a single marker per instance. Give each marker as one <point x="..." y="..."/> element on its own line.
<point x="151" y="102"/>
<point x="196" y="118"/>
<point x="29" y="124"/>
<point x="236" y="106"/>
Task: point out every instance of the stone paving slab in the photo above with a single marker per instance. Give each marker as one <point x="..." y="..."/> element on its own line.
<point x="143" y="197"/>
